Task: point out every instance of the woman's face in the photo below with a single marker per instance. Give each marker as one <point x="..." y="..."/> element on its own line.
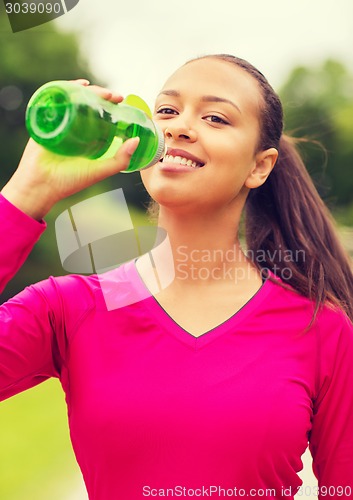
<point x="208" y="111"/>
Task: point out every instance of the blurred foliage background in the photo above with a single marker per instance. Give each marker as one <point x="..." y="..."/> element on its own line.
<point x="36" y="456"/>
<point x="318" y="104"/>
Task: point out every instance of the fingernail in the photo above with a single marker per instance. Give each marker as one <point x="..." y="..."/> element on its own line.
<point x="132" y="145"/>
<point x="83" y="81"/>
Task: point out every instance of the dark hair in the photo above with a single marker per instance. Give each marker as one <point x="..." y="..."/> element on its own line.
<point x="288" y="228"/>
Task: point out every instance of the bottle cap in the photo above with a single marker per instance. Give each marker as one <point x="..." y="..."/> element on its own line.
<point x="161" y="148"/>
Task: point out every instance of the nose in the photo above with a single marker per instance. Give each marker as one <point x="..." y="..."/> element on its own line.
<point x="178" y="129"/>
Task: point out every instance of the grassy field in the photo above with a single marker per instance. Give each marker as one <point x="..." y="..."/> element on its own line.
<point x="36" y="459"/>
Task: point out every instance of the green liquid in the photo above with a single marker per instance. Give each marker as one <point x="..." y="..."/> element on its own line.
<point x="60" y="120"/>
<point x="132" y="122"/>
<point x="70" y="120"/>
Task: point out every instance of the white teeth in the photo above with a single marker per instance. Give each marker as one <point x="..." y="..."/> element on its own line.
<point x="181" y="161"/>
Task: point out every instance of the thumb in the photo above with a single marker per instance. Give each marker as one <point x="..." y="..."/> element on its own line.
<point x="129" y="147"/>
<point x="123" y="155"/>
<point x="119" y="162"/>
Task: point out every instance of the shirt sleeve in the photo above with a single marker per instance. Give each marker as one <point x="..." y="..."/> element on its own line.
<point x="331" y="439"/>
<point x="19" y="233"/>
<point x="29" y="350"/>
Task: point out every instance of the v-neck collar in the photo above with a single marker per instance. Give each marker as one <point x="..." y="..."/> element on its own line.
<point x="165" y="321"/>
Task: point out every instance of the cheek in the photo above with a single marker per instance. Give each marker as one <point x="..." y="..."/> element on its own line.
<point x="227" y="161"/>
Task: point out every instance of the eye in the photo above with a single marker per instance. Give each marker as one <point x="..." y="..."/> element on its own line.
<point x="166" y="111"/>
<point x="216" y="119"/>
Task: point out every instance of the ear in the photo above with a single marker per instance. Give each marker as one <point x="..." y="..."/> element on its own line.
<point x="264" y="163"/>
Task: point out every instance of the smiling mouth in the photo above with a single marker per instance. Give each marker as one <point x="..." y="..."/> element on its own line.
<point x="180" y="160"/>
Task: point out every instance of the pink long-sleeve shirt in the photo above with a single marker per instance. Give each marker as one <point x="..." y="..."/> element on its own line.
<point x="156" y="412"/>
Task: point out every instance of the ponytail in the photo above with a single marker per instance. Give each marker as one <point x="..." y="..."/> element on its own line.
<point x="290" y="231"/>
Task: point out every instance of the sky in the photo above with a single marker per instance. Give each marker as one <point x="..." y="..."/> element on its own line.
<point x="134" y="45"/>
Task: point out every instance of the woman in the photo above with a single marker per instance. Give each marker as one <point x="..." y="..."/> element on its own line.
<point x="215" y="384"/>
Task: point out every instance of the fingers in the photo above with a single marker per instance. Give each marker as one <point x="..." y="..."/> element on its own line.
<point x="101" y="91"/>
<point x="106" y="93"/>
<point x="130" y="145"/>
<point x="122" y="158"/>
<point x="81" y="81"/>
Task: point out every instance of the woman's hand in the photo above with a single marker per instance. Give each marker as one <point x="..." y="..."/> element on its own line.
<point x="43" y="178"/>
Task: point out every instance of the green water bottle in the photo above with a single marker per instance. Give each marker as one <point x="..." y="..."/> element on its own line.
<point x="71" y="120"/>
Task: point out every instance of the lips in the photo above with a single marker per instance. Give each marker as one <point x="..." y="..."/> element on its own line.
<point x="182" y="157"/>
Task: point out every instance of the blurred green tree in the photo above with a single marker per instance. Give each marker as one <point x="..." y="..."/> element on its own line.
<point x="318" y="105"/>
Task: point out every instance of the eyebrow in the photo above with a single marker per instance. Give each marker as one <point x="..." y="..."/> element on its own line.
<point x="205" y="98"/>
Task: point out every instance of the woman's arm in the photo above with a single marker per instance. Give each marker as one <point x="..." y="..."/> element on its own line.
<point x="33" y="323"/>
<point x="19" y="233"/>
<point x="331" y="440"/>
<point x="28" y="351"/>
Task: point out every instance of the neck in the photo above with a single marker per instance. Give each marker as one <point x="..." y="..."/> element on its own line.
<point x="205" y="249"/>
